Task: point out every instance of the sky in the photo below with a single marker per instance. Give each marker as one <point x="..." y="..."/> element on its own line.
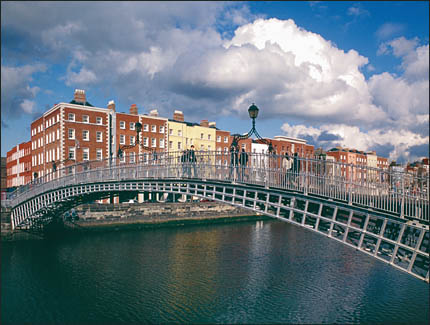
<point x="351" y="74"/>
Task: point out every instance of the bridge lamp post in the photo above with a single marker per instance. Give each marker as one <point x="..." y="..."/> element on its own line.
<point x="253" y="113"/>
<point x="121" y="149"/>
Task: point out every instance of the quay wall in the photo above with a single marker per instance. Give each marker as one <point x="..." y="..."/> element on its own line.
<point x="108" y="217"/>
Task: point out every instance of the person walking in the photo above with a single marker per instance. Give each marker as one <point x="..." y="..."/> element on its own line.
<point x="243" y="161"/>
<point x="193" y="161"/>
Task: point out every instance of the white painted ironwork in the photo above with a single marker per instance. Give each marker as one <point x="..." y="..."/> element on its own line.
<point x="370" y="213"/>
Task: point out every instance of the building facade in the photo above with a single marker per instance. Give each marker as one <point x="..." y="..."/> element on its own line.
<point x="18" y="165"/>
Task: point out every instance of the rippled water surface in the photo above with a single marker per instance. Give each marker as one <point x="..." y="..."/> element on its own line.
<point x="235" y="273"/>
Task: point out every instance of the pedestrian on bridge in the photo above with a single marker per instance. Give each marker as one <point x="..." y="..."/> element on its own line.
<point x="296" y="167"/>
<point x="286" y="166"/>
<point x="193" y="162"/>
<point x="184" y="163"/>
<point x="234" y="162"/>
<point x="243" y="161"/>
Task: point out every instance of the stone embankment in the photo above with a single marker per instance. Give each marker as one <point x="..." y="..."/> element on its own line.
<point x="105" y="217"/>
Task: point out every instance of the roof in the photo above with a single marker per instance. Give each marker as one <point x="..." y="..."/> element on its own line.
<point x="80" y="103"/>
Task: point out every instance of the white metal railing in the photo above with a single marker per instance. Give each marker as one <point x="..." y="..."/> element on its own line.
<point x="399" y="193"/>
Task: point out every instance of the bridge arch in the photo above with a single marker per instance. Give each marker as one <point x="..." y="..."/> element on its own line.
<point x="382" y="236"/>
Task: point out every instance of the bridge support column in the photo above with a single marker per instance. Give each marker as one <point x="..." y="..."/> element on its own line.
<point x="140" y="197"/>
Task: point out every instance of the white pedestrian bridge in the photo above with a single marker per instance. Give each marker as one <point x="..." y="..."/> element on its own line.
<point x="381" y="213"/>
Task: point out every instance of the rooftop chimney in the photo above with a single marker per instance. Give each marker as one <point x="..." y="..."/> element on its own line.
<point x="80" y="96"/>
<point x="204" y="123"/>
<point x="154" y="112"/>
<point x="133" y="109"/>
<point x="178" y="116"/>
<point x="111" y="105"/>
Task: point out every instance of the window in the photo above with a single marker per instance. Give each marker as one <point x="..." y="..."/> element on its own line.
<point x="161" y="143"/>
<point x="131" y="139"/>
<point x="225" y="139"/>
<point x="122" y="125"/>
<point x="99" y="136"/>
<point x="202" y="147"/>
<point x="170" y="144"/>
<point x="86" y="135"/>
<point x="85" y="119"/>
<point x="209" y="136"/>
<point x="180" y="133"/>
<point x="71" y="117"/>
<point x="132" y="124"/>
<point x="179" y="146"/>
<point x="99" y="120"/>
<point x="170" y="132"/>
<point x="85" y="154"/>
<point x="72" y="153"/>
<point x="201" y="135"/>
<point x="209" y="148"/>
<point x="161" y="129"/>
<point x="218" y="138"/>
<point x="58" y="134"/>
<point x="58" y="118"/>
<point x="71" y="134"/>
<point x="99" y="154"/>
<point x="225" y="149"/>
<point x="145" y="142"/>
<point x="145" y="127"/>
<point x="153" y="142"/>
<point x="153" y="128"/>
<point x="122" y="139"/>
<point x="132" y="157"/>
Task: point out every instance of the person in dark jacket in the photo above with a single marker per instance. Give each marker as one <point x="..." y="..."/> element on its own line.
<point x="234" y="162"/>
<point x="296" y="166"/>
<point x="243" y="161"/>
<point x="193" y="161"/>
<point x="184" y="163"/>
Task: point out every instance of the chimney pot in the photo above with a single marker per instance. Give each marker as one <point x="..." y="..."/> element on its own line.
<point x="178" y="116"/>
<point x="133" y="109"/>
<point x="111" y="105"/>
<point x="79" y="96"/>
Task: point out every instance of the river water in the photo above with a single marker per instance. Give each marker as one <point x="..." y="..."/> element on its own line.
<point x="249" y="272"/>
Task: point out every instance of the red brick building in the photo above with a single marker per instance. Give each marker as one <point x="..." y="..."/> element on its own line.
<point x="152" y="136"/>
<point x="75" y="132"/>
<point x="69" y="133"/>
<point x="283" y="144"/>
<point x="18" y="165"/>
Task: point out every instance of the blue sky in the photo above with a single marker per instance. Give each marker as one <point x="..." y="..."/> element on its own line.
<point x="354" y="74"/>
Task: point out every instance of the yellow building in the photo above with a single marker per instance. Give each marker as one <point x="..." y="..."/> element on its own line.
<point x="181" y="134"/>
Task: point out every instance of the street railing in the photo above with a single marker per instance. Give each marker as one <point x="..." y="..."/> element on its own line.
<point x="396" y="192"/>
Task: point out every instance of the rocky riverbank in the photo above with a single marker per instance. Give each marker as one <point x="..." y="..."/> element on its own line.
<point x="111" y="217"/>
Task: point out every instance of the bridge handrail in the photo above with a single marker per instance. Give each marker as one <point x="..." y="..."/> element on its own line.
<point x="375" y="187"/>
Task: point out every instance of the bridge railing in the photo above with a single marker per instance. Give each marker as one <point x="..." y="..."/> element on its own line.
<point x="400" y="193"/>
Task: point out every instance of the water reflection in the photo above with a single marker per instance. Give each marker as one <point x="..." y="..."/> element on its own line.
<point x="264" y="272"/>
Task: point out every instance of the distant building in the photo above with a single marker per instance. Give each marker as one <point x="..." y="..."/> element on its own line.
<point x="18" y="165"/>
<point x="283" y="144"/>
<point x="3" y="171"/>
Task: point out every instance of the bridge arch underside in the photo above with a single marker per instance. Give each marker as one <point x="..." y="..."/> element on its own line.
<point x="385" y="237"/>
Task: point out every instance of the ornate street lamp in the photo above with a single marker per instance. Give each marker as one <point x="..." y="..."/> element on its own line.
<point x="121" y="149"/>
<point x="253" y="113"/>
